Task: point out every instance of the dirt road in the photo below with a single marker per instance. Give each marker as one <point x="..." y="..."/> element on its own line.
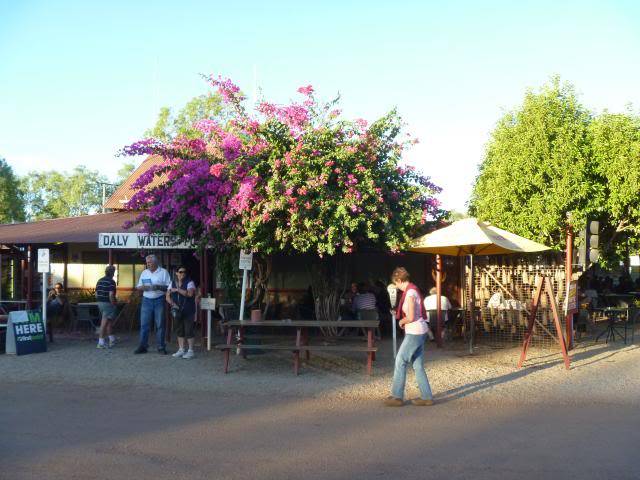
<point x="61" y="432"/>
<point x="67" y="429"/>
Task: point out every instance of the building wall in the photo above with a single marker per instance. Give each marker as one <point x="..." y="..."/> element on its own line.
<point x="293" y="271"/>
<point x="87" y="263"/>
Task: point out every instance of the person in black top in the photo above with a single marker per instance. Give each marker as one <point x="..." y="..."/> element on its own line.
<point x="106" y="298"/>
<point x="181" y="297"/>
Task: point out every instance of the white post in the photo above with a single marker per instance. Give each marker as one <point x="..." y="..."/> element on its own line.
<point x="244" y="292"/>
<point x="208" y="330"/>
<point x="44" y="301"/>
<point x="393" y="298"/>
<point x="395" y="342"/>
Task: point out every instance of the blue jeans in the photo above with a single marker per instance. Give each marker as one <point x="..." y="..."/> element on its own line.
<point x="152" y="308"/>
<point x="411" y="352"/>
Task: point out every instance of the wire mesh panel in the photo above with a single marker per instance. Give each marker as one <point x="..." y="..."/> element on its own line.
<point x="503" y="294"/>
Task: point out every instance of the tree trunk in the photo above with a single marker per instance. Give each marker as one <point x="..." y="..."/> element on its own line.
<point x="262" y="266"/>
<point x="329" y="282"/>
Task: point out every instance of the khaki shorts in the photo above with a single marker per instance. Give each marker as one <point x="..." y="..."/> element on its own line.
<point x="107" y="310"/>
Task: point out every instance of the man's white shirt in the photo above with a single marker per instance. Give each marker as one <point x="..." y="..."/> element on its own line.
<point x="431" y="303"/>
<point x="159" y="277"/>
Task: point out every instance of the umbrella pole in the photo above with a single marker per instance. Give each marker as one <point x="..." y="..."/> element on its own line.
<point x="472" y="323"/>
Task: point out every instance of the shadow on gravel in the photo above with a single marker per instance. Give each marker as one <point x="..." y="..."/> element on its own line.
<point x="471" y="388"/>
<point x="537" y="364"/>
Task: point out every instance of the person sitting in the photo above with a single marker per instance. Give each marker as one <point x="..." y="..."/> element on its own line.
<point x="56" y="301"/>
<point x="383" y="303"/>
<point x="364" y="300"/>
<point x="346" y="302"/>
<point x="307" y="305"/>
<point x="431" y="307"/>
<point x="625" y="284"/>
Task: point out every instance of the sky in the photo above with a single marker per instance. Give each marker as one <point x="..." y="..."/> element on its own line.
<point x="79" y="80"/>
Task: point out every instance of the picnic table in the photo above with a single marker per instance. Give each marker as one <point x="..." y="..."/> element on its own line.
<point x="235" y="336"/>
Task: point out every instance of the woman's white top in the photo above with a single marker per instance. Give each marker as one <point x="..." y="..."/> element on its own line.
<point x="419" y="326"/>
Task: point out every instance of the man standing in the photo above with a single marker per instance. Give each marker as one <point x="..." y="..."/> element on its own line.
<point x="153" y="284"/>
<point x="106" y="298"/>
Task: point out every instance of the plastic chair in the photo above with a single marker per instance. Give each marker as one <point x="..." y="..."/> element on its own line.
<point x="88" y="315"/>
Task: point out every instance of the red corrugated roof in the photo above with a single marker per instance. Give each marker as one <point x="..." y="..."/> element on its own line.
<point x="67" y="230"/>
<point x="123" y="194"/>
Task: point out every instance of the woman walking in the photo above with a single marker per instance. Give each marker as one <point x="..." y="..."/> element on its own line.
<point x="412" y="349"/>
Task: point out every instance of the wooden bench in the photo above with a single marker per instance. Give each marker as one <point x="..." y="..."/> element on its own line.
<point x="301" y="339"/>
<point x="296" y="351"/>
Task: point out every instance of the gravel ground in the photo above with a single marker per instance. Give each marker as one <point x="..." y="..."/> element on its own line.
<point x="77" y="412"/>
<point x="488" y="376"/>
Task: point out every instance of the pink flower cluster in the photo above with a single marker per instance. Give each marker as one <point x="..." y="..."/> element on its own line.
<point x="228" y="90"/>
<point x="231" y="146"/>
<point x="308" y="90"/>
<point x="285" y="181"/>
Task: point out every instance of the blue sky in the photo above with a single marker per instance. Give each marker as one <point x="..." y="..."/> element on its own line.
<point x="79" y="80"/>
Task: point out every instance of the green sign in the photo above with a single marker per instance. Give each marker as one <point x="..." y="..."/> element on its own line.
<point x="26" y="333"/>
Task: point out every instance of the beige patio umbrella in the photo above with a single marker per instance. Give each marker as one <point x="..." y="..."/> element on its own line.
<point x="471" y="236"/>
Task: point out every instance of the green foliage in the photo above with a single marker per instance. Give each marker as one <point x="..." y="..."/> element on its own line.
<point x="11" y="199"/>
<point x="327" y="193"/>
<point x="227" y="266"/>
<point x="454" y="216"/>
<point x="168" y="127"/>
<point x="551" y="157"/>
<point x="124" y="172"/>
<point x="615" y="144"/>
<point x="536" y="167"/>
<point x="55" y="194"/>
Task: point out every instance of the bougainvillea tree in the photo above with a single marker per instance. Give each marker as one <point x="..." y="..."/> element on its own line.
<point x="293" y="178"/>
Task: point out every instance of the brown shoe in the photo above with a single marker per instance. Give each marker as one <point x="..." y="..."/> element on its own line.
<point x="393" y="402"/>
<point x="419" y="402"/>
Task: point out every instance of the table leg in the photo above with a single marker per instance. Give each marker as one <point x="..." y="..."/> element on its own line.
<point x="241" y="340"/>
<point x="370" y="355"/>
<point x="227" y="351"/>
<point x="296" y="352"/>
<point x="296" y="361"/>
<point x="305" y="341"/>
<point x="371" y="341"/>
<point x="605" y="331"/>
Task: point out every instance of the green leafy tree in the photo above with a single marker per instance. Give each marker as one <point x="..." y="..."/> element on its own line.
<point x="123" y="173"/>
<point x="615" y="146"/>
<point x="181" y="124"/>
<point x="55" y="194"/>
<point x="550" y="157"/>
<point x="11" y="201"/>
<point x="538" y="166"/>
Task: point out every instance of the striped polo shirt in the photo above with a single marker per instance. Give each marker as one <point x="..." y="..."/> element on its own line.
<point x="103" y="287"/>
